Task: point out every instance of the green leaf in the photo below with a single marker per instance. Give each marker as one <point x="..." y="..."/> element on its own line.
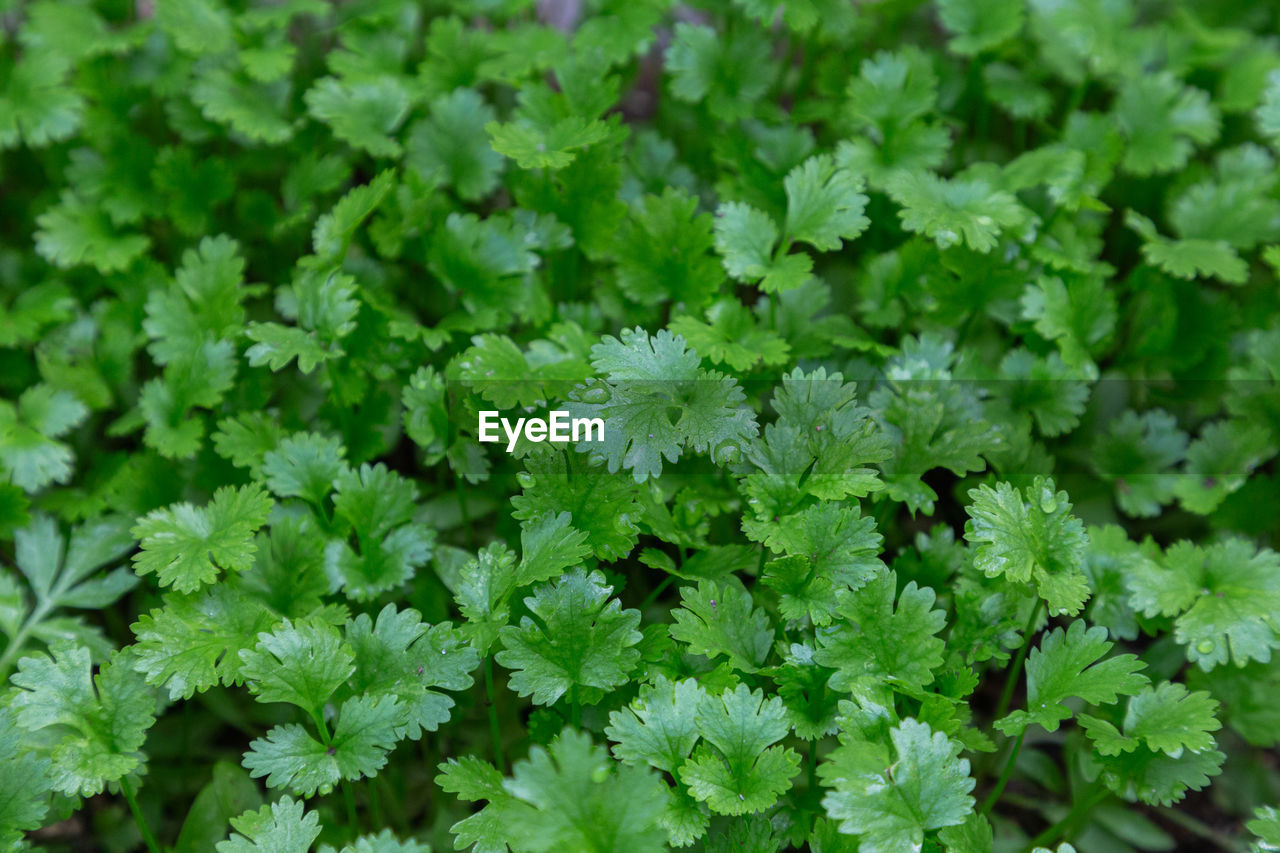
<point x="955" y="211"/>
<point x="400" y="656"/>
<point x="891" y="802"/>
<point x="1224" y="597"/>
<point x="550" y="146"/>
<point x="304" y="465"/>
<point x="660" y="726"/>
<point x="978" y="26"/>
<point x="1030" y="537"/>
<point x="664" y="252"/>
<point x="453" y="145"/>
<point x="720" y="620"/>
<point x="187" y="546"/>
<point x="659" y="403"/>
<point x="874" y="641"/>
<point x="280" y="827"/>
<point x="581" y="639"/>
<point x="95" y="724"/>
<point x="1067" y="664"/>
<point x="745" y="239"/>
<point x="727" y="73"/>
<point x="76" y="231"/>
<point x="301" y="663"/>
<point x="825" y="204"/>
<point x="736" y="771"/>
<point x="365" y="732"/>
<point x="731" y="336"/>
<point x="1188" y="258"/>
<point x="1163" y="122"/>
<point x="194" y="641"/>
<point x="36" y="106"/>
<point x="363" y="113"/>
<point x="575" y="798"/>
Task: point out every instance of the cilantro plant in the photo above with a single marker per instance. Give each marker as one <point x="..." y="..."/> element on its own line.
<point x="937" y="348"/>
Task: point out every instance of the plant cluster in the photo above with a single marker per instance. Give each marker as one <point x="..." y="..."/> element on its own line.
<point x="937" y="345"/>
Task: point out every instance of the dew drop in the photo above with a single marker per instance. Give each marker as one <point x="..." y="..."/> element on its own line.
<point x="1048" y="501"/>
<point x="525" y="479"/>
<point x="1204" y="647"/>
<point x="596" y="394"/>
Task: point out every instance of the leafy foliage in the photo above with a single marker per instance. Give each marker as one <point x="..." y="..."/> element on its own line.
<point x="937" y="349"/>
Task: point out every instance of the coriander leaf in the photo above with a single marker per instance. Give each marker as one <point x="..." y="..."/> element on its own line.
<point x="660" y="402"/>
<point x="599" y="504"/>
<point x="195" y="640"/>
<point x="1223" y="596"/>
<point x="1067" y="664"/>
<point x="96" y="723"/>
<point x="575" y="798"/>
<point x="978" y="26"/>
<point x="736" y="771"/>
<point x="664" y="252"/>
<point x="731" y="336"/>
<point x="400" y="656"/>
<point x="301" y="663"/>
<point x="890" y="803"/>
<point x="873" y="640"/>
<point x="290" y="758"/>
<point x="452" y="144"/>
<point x="187" y="546"/>
<point x="720" y="620"/>
<point x="660" y="726"/>
<point x="953" y="211"/>
<point x="1030" y="540"/>
<point x="728" y="74"/>
<point x="280" y="827"/>
<point x="363" y="113"/>
<point x="1163" y="121"/>
<point x="745" y="239"/>
<point x="825" y="204"/>
<point x="581" y="639"/>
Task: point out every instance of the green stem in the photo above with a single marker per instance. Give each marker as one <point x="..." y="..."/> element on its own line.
<point x="813" y="765"/>
<point x="19" y="641"/>
<point x="348" y="797"/>
<point x="495" y="731"/>
<point x="131" y="798"/>
<point x="1066" y="827"/>
<point x="1196" y="827"/>
<point x="575" y="708"/>
<point x="1015" y="672"/>
<point x="994" y="796"/>
<point x="657" y="590"/>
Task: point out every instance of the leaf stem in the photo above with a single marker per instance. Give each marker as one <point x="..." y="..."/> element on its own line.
<point x="495" y="731"/>
<point x="19" y="641"/>
<point x="1201" y="829"/>
<point x="657" y="591"/>
<point x="149" y="839"/>
<point x="994" y="796"/>
<point x="1066" y="827"/>
<point x="1015" y="672"/>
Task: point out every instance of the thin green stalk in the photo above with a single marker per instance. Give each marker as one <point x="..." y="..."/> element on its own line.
<point x="575" y="709"/>
<point x="495" y="731"/>
<point x="131" y="798"/>
<point x="1066" y="827"/>
<point x="1200" y="828"/>
<point x="19" y="641"/>
<point x="813" y="765"/>
<point x="657" y="590"/>
<point x="1015" y="672"/>
<point x="994" y="796"/>
<point x="348" y="797"/>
